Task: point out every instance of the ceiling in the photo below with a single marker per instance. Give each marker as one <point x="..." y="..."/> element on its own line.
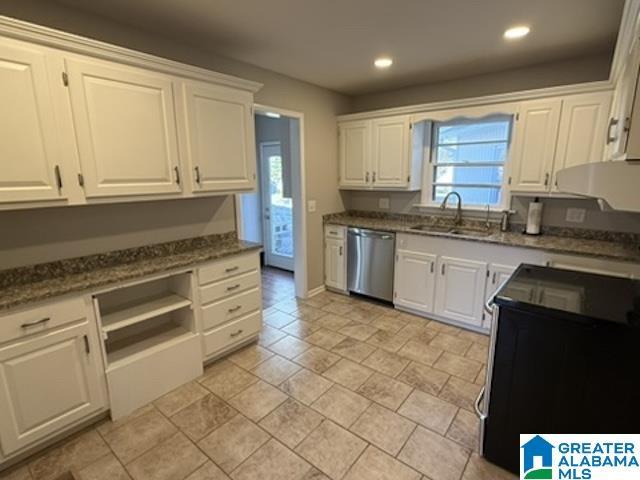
<point x="332" y="43"/>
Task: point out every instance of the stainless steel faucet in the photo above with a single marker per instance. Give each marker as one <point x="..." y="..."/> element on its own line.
<point x="458" y="218"/>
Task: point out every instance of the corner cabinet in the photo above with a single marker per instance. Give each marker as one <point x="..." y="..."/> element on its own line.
<point x="335" y="257"/>
<point x="378" y="154"/>
<point x="218" y="133"/>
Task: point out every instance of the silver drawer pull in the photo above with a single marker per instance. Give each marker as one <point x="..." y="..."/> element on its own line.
<point x="235" y="334"/>
<point x="234" y="309"/>
<point x="35" y="322"/>
<point x="231" y="269"/>
<point x="233" y="287"/>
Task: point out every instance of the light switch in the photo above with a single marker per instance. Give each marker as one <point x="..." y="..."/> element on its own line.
<point x="311" y="206"/>
<point x="575" y="215"/>
<point x="383" y="203"/>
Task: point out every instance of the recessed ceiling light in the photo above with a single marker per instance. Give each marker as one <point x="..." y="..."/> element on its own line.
<point x="272" y="114"/>
<point x="517" y="32"/>
<point x="383" y="62"/>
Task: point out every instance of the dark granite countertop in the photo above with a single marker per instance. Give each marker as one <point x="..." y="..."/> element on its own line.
<point x="29" y="284"/>
<point x="608" y="246"/>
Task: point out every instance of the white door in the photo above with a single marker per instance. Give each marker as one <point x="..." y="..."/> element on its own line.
<point x="414" y="283"/>
<point x="277" y="209"/>
<point x="220" y="139"/>
<point x="460" y="289"/>
<point x="47" y="383"/>
<point x="29" y="153"/>
<point x="335" y="264"/>
<point x="390" y="152"/>
<point x="535" y="145"/>
<point x="583" y="129"/>
<point x="125" y="126"/>
<point x="498" y="274"/>
<point x="354" y="153"/>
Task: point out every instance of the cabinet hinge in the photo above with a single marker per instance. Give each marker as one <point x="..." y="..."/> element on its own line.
<point x="81" y="180"/>
<point x="65" y="79"/>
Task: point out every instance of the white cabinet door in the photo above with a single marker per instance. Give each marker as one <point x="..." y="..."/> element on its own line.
<point x="219" y="134"/>
<point x="29" y="153"/>
<point x="390" y="152"/>
<point x="583" y="129"/>
<point x="354" y="153"/>
<point x="460" y="289"/>
<point x="535" y="145"/>
<point x="124" y="120"/>
<point x="335" y="264"/>
<point x="498" y="274"/>
<point x="47" y="383"/>
<point x="414" y="282"/>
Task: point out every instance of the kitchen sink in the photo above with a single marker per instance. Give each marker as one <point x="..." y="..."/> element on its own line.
<point x="473" y="232"/>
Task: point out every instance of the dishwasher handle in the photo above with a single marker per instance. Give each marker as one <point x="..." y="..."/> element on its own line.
<point x="357" y="232"/>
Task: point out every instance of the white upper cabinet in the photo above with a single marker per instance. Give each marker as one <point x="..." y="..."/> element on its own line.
<point x="582" y="132"/>
<point x="415" y="280"/>
<point x="218" y="130"/>
<point x="390" y="152"/>
<point x="354" y="148"/>
<point x="535" y="145"/>
<point x="29" y="151"/>
<point x="124" y="119"/>
<point x="459" y="275"/>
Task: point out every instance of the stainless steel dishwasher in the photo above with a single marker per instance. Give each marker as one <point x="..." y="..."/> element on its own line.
<point x="370" y="261"/>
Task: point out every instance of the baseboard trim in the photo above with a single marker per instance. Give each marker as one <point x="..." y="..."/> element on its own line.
<point x="315" y="291"/>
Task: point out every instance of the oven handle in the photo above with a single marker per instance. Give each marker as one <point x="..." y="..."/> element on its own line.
<point x="480" y="413"/>
<point x="488" y="306"/>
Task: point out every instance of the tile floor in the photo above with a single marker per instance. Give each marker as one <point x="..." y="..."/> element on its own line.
<point x="336" y="388"/>
<point x="277" y="285"/>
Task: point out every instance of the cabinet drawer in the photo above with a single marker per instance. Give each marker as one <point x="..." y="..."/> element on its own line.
<point x="231" y="333"/>
<point x="227" y="268"/>
<point x="225" y="310"/>
<point x="40" y="319"/>
<point x="335" y="231"/>
<point x="232" y="286"/>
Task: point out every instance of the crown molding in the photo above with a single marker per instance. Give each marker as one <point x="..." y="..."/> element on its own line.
<point x="25" y="31"/>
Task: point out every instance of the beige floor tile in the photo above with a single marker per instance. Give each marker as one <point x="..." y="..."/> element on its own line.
<point x="341" y="405"/>
<point x="420" y="352"/>
<point x="337" y="308"/>
<point x="460" y="393"/>
<point x="465" y="429"/>
<point x="229" y="445"/>
<point x="258" y="400"/>
<point x="317" y="359"/>
<point x="385" y="390"/>
<point x="208" y="471"/>
<point x="301" y="329"/>
<point x="140" y="434"/>
<point x="16" y="473"/>
<point x="451" y="343"/>
<point x="480" y="338"/>
<point x="458" y="366"/>
<point x="325" y="338"/>
<point x="359" y="331"/>
<point x="308" y="313"/>
<point x="478" y="352"/>
<point x="228" y="381"/>
<point x="481" y="378"/>
<point x="374" y="464"/>
<point x="317" y="301"/>
<point x="250" y="356"/>
<point x="291" y="422"/>
<point x="424" y="378"/>
<point x="306" y="386"/>
<point x="353" y="349"/>
<point x="385" y="362"/>
<point x="203" y="416"/>
<point x="428" y="411"/>
<point x="108" y="425"/>
<point x="275" y="370"/>
<point x="479" y="469"/>
<point x="332" y="321"/>
<point x="273" y="461"/>
<point x="331" y="449"/>
<point x="289" y="306"/>
<point x="180" y="398"/>
<point x="314" y="474"/>
<point x="389" y="341"/>
<point x="445" y="328"/>
<point x="433" y="455"/>
<point x="269" y="335"/>
<point x="106" y="468"/>
<point x="362" y="313"/>
<point x="418" y="332"/>
<point x="383" y="428"/>
<point x="289" y="347"/>
<point x="174" y="458"/>
<point x="278" y="319"/>
<point x="388" y="323"/>
<point x="78" y="452"/>
<point x="348" y="374"/>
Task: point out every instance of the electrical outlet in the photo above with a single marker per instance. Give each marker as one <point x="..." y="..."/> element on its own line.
<point x="311" y="206"/>
<point x="575" y="215"/>
<point x="383" y="203"/>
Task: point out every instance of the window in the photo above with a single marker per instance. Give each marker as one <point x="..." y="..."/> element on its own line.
<point x="468" y="156"/>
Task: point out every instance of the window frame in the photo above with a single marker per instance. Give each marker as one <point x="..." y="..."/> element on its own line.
<point x="430" y="164"/>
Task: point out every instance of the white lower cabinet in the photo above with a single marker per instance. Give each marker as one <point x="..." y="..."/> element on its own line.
<point x="414" y="282"/>
<point x="496" y="276"/>
<point x="335" y="257"/>
<point x="48" y="382"/>
<point x="460" y="289"/>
